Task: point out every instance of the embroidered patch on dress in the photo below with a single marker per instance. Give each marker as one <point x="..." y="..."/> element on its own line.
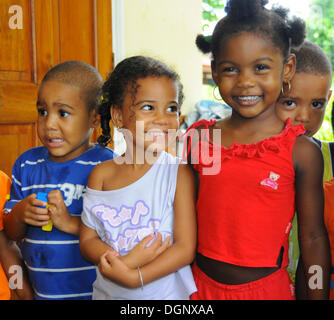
<point x="271" y="181"/>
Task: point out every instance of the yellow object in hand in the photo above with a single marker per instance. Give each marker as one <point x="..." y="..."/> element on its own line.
<point x="43" y="196"/>
<point x="48" y="227"/>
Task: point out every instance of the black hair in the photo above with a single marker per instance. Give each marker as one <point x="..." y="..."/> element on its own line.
<point x="124" y="79"/>
<point x="252" y="16"/>
<point x="312" y="59"/>
<point x="78" y="74"/>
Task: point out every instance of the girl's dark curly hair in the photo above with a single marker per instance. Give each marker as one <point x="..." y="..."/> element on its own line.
<point x="252" y="16"/>
<point x="123" y="79"/>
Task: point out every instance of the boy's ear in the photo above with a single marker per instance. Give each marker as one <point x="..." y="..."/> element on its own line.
<point x="116" y="117"/>
<point x="329" y="95"/>
<point x="289" y="68"/>
<point x="94" y="119"/>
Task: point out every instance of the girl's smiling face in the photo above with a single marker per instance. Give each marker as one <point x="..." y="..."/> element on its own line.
<point x="249" y="72"/>
<point x="148" y="113"/>
<point x="64" y="125"/>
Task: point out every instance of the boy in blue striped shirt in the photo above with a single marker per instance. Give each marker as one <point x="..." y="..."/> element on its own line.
<point x="66" y="105"/>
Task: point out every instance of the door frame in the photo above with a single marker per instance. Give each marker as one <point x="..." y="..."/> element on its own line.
<point x="118" y="42"/>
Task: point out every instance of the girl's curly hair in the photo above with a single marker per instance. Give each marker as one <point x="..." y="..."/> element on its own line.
<point x="123" y="79"/>
<point x="252" y="16"/>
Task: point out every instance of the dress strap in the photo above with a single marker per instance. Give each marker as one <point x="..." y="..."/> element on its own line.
<point x="190" y="133"/>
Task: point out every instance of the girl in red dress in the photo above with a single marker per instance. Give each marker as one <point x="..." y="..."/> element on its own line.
<point x="253" y="169"/>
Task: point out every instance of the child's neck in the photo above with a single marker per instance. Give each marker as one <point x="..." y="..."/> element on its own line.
<point x="251" y="130"/>
<point x="139" y="158"/>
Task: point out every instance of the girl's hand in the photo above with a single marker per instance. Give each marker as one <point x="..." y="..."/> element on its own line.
<point x="29" y="211"/>
<point x="141" y="254"/>
<point x="59" y="214"/>
<point x="113" y="268"/>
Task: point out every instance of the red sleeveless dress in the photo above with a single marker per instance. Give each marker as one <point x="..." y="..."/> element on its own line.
<point x="246" y="198"/>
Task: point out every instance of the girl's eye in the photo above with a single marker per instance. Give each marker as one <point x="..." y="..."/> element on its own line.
<point x="172" y="109"/>
<point x="317" y="104"/>
<point x="290" y="104"/>
<point x="63" y="113"/>
<point x="147" y="107"/>
<point x="261" y="67"/>
<point x="42" y="112"/>
<point x="229" y="69"/>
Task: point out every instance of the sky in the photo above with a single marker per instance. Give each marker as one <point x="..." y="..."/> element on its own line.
<point x="299" y="8"/>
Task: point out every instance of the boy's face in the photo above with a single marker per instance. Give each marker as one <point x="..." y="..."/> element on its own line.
<point x="64" y="125"/>
<point x="306" y="102"/>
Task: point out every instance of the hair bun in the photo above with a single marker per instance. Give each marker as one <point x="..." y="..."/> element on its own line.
<point x="203" y="43"/>
<point x="243" y="9"/>
<point x="281" y="11"/>
<point x="297" y="32"/>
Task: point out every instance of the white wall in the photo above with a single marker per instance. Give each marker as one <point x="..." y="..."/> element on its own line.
<point x="166" y="30"/>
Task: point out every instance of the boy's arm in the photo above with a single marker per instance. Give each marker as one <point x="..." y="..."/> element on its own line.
<point x="27" y="211"/>
<point x="179" y="254"/>
<point x="22" y="209"/>
<point x="9" y="257"/>
<point x="312" y="234"/>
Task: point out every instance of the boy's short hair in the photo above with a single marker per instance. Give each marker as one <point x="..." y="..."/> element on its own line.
<point x="78" y="74"/>
<point x="312" y="59"/>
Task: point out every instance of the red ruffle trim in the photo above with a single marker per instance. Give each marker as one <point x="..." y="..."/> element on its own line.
<point x="257" y="149"/>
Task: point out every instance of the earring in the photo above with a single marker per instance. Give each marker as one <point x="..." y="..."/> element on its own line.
<point x="214" y="94"/>
<point x="289" y="88"/>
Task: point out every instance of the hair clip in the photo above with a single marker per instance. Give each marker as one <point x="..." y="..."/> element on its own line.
<point x="103" y="98"/>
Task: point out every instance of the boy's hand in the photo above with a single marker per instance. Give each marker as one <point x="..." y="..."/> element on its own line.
<point x="29" y="211"/>
<point x="141" y="254"/>
<point x="58" y="212"/>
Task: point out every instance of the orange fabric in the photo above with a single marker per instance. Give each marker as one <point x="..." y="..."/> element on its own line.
<point x="329" y="221"/>
<point x="4" y="190"/>
<point x="276" y="286"/>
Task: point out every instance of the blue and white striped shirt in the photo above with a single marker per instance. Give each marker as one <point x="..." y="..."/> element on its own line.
<point x="55" y="266"/>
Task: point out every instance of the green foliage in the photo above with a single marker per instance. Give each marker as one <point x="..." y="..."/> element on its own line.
<point x="320" y="28"/>
<point x="326" y="133"/>
<point x="209" y="8"/>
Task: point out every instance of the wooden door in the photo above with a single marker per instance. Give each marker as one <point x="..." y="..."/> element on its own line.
<point x="36" y="35"/>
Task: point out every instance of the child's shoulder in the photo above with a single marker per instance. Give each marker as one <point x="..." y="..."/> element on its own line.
<point x="33" y="154"/>
<point x="99" y="153"/>
<point x="306" y="152"/>
<point x="101" y="172"/>
<point x="305" y="142"/>
<point x="3" y="177"/>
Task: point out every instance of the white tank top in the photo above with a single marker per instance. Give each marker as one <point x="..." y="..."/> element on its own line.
<point x="123" y="217"/>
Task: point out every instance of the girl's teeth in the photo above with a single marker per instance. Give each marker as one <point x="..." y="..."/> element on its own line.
<point x="249" y="98"/>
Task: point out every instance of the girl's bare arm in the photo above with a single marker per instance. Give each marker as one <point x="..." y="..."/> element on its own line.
<point x="312" y="234"/>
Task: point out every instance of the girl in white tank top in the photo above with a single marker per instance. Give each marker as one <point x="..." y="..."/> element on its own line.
<point x="139" y="221"/>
